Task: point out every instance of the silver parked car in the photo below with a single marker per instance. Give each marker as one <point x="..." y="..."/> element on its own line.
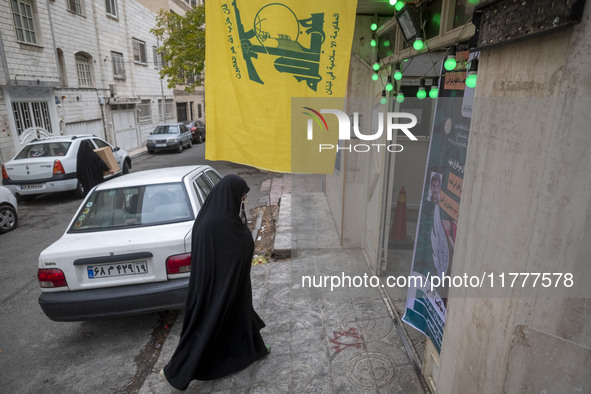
<point x="173" y="136"/>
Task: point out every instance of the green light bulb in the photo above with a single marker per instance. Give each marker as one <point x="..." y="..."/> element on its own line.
<point x="473" y="1"/>
<point x="421" y="94"/>
<point x="374" y="26"/>
<point x="393" y="2"/>
<point x="433" y="92"/>
<point x="389" y="87"/>
<point x="386" y="43"/>
<point x="374" y="77"/>
<point x="450" y="63"/>
<point x="418" y="44"/>
<point x="373" y="43"/>
<point x="383" y="100"/>
<point x="400" y="97"/>
<point x="399" y="5"/>
<point x="376" y="66"/>
<point x="398" y="75"/>
<point x="471" y="80"/>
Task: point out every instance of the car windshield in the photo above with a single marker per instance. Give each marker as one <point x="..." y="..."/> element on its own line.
<point x="128" y="207"/>
<point x="166" y="130"/>
<point x="44" y="149"/>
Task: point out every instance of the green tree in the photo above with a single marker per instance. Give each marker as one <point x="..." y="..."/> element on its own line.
<point x="182" y="46"/>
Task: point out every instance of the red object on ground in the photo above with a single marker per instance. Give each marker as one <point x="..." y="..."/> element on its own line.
<point x="398" y="228"/>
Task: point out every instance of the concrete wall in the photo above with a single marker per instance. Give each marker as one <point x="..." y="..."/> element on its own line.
<point x="526" y="207"/>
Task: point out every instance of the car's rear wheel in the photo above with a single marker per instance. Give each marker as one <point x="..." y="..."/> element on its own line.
<point x="8" y="218"/>
<point x="179" y="149"/>
<point x="79" y="191"/>
<point x="199" y="138"/>
<point x="125" y="169"/>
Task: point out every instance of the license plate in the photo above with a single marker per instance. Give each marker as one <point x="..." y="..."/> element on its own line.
<point x="109" y="270"/>
<point x="31" y="187"/>
<point x="160" y="145"/>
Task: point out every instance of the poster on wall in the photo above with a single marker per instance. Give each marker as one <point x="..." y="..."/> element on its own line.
<point x="426" y="304"/>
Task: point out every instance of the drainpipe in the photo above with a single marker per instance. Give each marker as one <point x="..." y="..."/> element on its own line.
<point x="162" y="89"/>
<point x="57" y="66"/>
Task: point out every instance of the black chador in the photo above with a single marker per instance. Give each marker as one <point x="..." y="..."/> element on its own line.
<point x="220" y="332"/>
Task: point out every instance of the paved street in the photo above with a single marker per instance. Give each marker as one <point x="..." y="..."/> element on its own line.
<point x="38" y="355"/>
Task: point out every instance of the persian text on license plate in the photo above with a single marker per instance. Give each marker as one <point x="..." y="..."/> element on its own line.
<point x="108" y="270"/>
<point x="31" y="187"/>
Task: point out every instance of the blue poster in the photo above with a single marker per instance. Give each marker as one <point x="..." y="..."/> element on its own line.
<point x="426" y="304"/>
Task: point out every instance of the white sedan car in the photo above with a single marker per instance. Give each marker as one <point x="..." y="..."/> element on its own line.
<point x="8" y="210"/>
<point x="128" y="248"/>
<point x="49" y="165"/>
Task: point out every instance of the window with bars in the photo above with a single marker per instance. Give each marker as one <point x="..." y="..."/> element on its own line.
<point x="22" y="12"/>
<point x="170" y="112"/>
<point x="145" y="109"/>
<point x="139" y="51"/>
<point x="111" y="7"/>
<point x="118" y="65"/>
<point x="75" y="6"/>
<point x="31" y="114"/>
<point x="83" y="70"/>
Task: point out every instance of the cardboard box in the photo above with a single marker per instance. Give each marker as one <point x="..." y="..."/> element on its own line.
<point x="106" y="154"/>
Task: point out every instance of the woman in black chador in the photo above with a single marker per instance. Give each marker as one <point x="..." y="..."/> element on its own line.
<point x="220" y="332"/>
<point x="89" y="167"/>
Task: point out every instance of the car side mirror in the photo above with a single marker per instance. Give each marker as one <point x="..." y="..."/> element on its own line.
<point x="115" y="149"/>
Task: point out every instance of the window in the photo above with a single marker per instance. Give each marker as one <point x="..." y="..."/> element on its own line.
<point x="75" y="6"/>
<point x="22" y="12"/>
<point x="118" y="65"/>
<point x="31" y="114"/>
<point x="157" y="63"/>
<point x="158" y="58"/>
<point x="44" y="149"/>
<point x="169" y="109"/>
<point x="83" y="70"/>
<point x="111" y="7"/>
<point x="146" y="205"/>
<point x="145" y="111"/>
<point x="139" y="51"/>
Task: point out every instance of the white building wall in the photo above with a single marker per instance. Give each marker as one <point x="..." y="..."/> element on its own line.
<point x="74" y="108"/>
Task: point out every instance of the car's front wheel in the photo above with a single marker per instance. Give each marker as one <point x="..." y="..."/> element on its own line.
<point x="199" y="138"/>
<point x="190" y="144"/>
<point x="8" y="218"/>
<point x="179" y="148"/>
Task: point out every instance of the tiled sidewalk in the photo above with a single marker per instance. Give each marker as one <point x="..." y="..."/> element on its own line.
<point x="322" y="341"/>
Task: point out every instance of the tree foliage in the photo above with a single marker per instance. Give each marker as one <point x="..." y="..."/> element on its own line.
<point x="182" y="46"/>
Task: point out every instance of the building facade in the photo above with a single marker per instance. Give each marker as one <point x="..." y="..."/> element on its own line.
<point x="80" y="66"/>
<point x="525" y="204"/>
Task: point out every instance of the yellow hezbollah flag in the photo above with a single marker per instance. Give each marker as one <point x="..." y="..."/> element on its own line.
<point x="260" y="55"/>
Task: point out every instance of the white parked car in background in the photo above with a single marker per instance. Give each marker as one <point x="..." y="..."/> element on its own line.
<point x="128" y="248"/>
<point x="48" y="165"/>
<point x="8" y="210"/>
